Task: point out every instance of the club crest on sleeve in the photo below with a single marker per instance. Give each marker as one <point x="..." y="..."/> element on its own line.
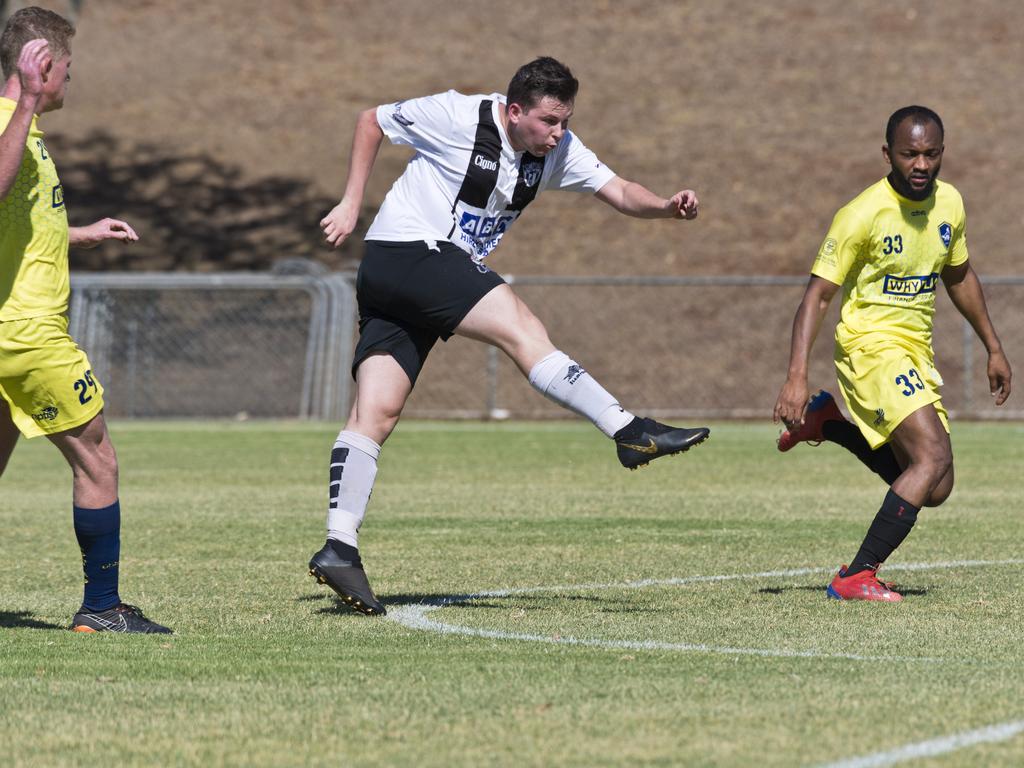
<point x="946" y="233"/>
<point x="399" y="117"/>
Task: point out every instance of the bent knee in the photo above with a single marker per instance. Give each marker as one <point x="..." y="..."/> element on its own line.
<point x="937" y="497"/>
<point x="942" y="490"/>
<point x="528" y="332"/>
<point x="938" y="462"/>
<point x="377" y="425"/>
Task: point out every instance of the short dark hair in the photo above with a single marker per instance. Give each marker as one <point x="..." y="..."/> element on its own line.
<point x="544" y="76"/>
<point x="30" y="24"/>
<point x="918" y="114"/>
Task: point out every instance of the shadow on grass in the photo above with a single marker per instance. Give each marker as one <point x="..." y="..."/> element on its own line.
<point x="24" y="620"/>
<point x="783" y="590"/>
<point x="523" y="602"/>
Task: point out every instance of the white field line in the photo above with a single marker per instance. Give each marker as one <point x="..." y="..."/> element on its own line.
<point x="415" y="616"/>
<point x="934" y="747"/>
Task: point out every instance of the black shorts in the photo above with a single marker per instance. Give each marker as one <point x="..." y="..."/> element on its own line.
<point x="410" y="296"/>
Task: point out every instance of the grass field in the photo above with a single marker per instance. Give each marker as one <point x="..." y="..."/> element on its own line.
<point x="571" y="658"/>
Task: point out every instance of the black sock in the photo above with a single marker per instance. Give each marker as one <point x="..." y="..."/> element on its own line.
<point x="888" y="530"/>
<point x="631" y="431"/>
<point x="345" y="551"/>
<point x="881" y="461"/>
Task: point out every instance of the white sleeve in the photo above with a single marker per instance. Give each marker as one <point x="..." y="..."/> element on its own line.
<point x="576" y="168"/>
<point x="425" y="123"/>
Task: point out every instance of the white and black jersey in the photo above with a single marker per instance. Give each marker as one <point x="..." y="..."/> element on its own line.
<point x="466" y="184"/>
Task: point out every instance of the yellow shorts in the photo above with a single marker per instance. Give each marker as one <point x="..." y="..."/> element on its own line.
<point x="882" y="384"/>
<point x="45" y="378"/>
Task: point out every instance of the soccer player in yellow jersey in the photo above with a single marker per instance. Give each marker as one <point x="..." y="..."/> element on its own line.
<point x="888" y="248"/>
<point x="47" y="386"/>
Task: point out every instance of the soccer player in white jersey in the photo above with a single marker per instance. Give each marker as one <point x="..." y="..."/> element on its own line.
<point x="480" y="160"/>
<point x="888" y="248"/>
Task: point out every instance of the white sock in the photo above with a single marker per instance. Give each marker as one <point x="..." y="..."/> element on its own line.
<point x="353" y="468"/>
<point x="564" y="381"/>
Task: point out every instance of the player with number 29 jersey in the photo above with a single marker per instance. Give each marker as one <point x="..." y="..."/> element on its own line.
<point x="45" y="377"/>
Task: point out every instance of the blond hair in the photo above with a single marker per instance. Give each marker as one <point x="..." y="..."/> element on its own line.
<point x="30" y="24"/>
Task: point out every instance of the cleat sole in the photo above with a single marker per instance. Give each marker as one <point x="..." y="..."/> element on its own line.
<point x="352" y="602"/>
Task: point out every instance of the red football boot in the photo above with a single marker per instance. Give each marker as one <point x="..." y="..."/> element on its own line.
<point x="861" y="586"/>
<point x="821" y="408"/>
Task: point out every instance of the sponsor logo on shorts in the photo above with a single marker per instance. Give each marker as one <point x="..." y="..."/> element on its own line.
<point x="913" y="285"/>
<point x="879" y="416"/>
<point x="946" y="233"/>
<point x="482" y="162"/>
<point x="49" y="413"/>
<point x="574" y="373"/>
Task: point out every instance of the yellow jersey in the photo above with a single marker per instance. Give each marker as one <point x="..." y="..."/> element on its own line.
<point x="887" y="252"/>
<point x="34" y="279"/>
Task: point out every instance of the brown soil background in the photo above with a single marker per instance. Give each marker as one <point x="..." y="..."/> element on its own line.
<point x="221" y="129"/>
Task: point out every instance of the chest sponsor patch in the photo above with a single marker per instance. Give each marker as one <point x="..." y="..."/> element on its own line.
<point x="911" y="285"/>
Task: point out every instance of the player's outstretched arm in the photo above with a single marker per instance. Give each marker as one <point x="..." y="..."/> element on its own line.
<point x="964" y="289"/>
<point x="792" y="400"/>
<point x="341" y="221"/>
<point x="634" y="199"/>
<point x="104" y="229"/>
<point x="33" y="62"/>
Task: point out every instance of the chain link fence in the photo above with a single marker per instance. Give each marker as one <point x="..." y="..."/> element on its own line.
<point x="696" y="347"/>
<point x="266" y="346"/>
<point x="227" y="345"/>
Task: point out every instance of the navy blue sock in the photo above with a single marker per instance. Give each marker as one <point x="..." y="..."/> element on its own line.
<point x="99" y="537"/>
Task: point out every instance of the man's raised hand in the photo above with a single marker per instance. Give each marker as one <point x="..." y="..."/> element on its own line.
<point x="685" y="204"/>
<point x="34" y="62"/>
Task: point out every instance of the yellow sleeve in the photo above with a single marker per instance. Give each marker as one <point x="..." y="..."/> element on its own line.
<point x="841" y="247"/>
<point x="958" y="243"/>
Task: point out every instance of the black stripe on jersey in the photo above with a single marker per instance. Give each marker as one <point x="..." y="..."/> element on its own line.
<point x="482" y="174"/>
<point x="531" y="168"/>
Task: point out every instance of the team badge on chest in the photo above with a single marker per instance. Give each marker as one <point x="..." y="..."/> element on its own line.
<point x="946" y="233"/>
<point x="531" y="173"/>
